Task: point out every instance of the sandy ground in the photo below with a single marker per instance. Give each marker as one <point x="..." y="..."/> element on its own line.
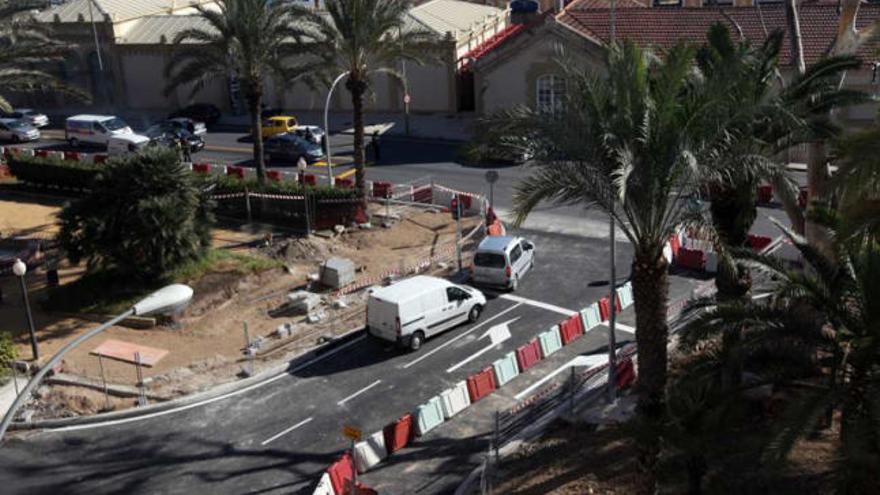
<point x="206" y="346"/>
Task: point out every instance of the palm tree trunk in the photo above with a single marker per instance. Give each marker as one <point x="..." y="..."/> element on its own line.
<point x="696" y="469"/>
<point x="255" y="100"/>
<point x="357" y="88"/>
<point x="651" y="290"/>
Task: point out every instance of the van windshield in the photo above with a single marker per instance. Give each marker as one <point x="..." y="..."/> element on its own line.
<point x="114" y="124"/>
<point x="489" y="260"/>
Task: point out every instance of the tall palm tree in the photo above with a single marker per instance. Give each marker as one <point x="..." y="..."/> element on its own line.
<point x="26" y="47"/>
<point x="252" y="40"/>
<point x="368" y="37"/>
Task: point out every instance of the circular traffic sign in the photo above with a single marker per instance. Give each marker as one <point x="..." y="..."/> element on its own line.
<point x="491" y="176"/>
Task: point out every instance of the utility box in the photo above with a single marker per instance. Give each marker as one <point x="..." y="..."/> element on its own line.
<point x="337" y="272"/>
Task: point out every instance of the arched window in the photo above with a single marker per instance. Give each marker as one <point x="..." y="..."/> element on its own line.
<point x="551" y="93"/>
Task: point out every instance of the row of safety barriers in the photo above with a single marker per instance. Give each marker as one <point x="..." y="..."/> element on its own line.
<point x="692" y="250"/>
<point x="396" y="435"/>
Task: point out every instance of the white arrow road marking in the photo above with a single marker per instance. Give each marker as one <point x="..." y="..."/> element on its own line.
<point x="285" y="432"/>
<point x="497" y="334"/>
<point x="359" y="392"/>
<point x="537" y="304"/>
<point x="454" y="339"/>
<point x="621" y="327"/>
<point x="580" y="361"/>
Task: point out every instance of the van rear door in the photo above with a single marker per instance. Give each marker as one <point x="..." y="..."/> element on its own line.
<point x="382" y="318"/>
<point x="490" y="268"/>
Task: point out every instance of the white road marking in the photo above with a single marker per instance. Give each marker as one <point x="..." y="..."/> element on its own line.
<point x="497" y="334"/>
<point x="588" y="361"/>
<point x="285" y="432"/>
<point x="621" y="327"/>
<point x="359" y="392"/>
<point x="284" y="374"/>
<point x="537" y="304"/>
<point x="454" y="339"/>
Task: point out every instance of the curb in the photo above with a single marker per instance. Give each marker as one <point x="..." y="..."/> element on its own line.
<point x="191" y="399"/>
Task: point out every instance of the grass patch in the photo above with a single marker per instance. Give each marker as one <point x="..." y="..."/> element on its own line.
<point x="107" y="292"/>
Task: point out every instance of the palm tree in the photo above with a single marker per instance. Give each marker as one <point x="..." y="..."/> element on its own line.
<point x="248" y="39"/>
<point x="368" y="37"/>
<point x="26" y="46"/>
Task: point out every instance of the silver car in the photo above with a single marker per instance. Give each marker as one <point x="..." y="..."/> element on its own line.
<point x="29" y="115"/>
<point x="17" y="131"/>
<point x="502" y="261"/>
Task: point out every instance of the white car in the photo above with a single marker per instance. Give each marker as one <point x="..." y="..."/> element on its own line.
<point x="414" y="309"/>
<point x="18" y="131"/>
<point x="30" y="115"/>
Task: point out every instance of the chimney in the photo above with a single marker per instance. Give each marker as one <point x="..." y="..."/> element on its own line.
<point x="524" y="11"/>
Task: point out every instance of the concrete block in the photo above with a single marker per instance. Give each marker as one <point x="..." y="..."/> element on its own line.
<point x="337" y="272"/>
<point x="370" y="452"/>
<point x="590" y="316"/>
<point x="429" y="415"/>
<point x="506" y="369"/>
<point x="551" y="341"/>
<point x="455" y="399"/>
<point x="303" y="302"/>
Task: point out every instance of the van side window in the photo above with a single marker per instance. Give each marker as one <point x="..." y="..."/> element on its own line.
<point x="455" y="294"/>
<point x="515" y="254"/>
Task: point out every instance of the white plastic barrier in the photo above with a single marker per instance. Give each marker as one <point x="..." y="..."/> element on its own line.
<point x="325" y="487"/>
<point x="53" y="154"/>
<point x="711" y="262"/>
<point x="667" y="253"/>
<point x="455" y="399"/>
<point x="371" y="451"/>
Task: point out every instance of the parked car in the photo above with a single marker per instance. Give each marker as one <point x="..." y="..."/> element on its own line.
<point x="18" y="131"/>
<point x="289" y="148"/>
<point x="30" y="115"/>
<point x="93" y="129"/>
<point x="278" y="125"/>
<point x="502" y="261"/>
<point x="189" y="125"/>
<point x="414" y="309"/>
<point x="126" y="143"/>
<point x="164" y="135"/>
<point x="199" y="112"/>
<point x="310" y="133"/>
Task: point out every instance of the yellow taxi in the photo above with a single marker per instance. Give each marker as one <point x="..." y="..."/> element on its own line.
<point x="278" y="125"/>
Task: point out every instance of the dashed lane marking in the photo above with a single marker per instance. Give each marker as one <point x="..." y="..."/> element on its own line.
<point x="285" y="432"/>
<point x="359" y="392"/>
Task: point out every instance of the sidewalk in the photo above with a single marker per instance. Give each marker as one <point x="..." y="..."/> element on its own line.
<point x="8" y="394"/>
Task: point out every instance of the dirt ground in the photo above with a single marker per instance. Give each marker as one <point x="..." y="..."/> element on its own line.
<point x="207" y="342"/>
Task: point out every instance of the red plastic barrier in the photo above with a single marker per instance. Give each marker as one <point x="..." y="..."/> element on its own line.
<point x="201" y="168"/>
<point x="625" y="374"/>
<point x="803" y="198"/>
<point x="674" y="245"/>
<point x="309" y="180"/>
<point x="765" y="194"/>
<point x="399" y="433"/>
<point x="99" y="158"/>
<point x="235" y="172"/>
<point x="465" y="201"/>
<point x="693" y="259"/>
<point x="422" y="195"/>
<point x="617" y="307"/>
<point x="759" y="242"/>
<point x="274" y="175"/>
<point x="604" y="308"/>
<point x="481" y="384"/>
<point x="571" y="328"/>
<point x="381" y="189"/>
<point x="341" y="474"/>
<point x="72" y="156"/>
<point x="344" y="183"/>
<point x="528" y="355"/>
<point x="41" y="153"/>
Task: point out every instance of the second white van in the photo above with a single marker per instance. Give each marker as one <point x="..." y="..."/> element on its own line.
<point x="414" y="309"/>
<point x="93" y="129"/>
<point x="126" y="144"/>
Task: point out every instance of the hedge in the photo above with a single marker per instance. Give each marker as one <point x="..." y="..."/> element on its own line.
<point x="227" y="184"/>
<point x="53" y="172"/>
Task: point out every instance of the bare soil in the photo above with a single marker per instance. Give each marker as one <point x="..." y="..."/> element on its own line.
<point x="207" y="341"/>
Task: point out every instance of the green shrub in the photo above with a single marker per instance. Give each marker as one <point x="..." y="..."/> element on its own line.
<point x="8" y="353"/>
<point x="226" y="184"/>
<point x="54" y="172"/>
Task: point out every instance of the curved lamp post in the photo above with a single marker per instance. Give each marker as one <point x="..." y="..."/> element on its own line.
<point x="19" y="268"/>
<point x="165" y="300"/>
<point x="327" y="125"/>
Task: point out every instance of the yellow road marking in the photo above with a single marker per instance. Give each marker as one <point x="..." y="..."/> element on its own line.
<point x="346" y="174"/>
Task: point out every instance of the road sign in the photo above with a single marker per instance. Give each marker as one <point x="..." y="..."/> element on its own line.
<point x="352" y="432"/>
<point x="491" y="176"/>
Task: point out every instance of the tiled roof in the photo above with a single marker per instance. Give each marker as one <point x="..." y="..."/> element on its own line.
<point x="118" y="10"/>
<point x="605" y="4"/>
<point x="159" y="29"/>
<point x="663" y="27"/>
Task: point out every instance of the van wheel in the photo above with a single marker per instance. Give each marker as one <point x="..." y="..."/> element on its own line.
<point x="415" y="342"/>
<point x="474" y="315"/>
<point x="74" y="142"/>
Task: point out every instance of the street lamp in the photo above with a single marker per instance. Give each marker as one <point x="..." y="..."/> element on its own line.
<point x="20" y="269"/>
<point x="166" y="300"/>
<point x="327" y="125"/>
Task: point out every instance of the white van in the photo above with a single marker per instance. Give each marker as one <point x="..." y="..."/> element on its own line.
<point x="126" y="143"/>
<point x="93" y="129"/>
<point x="416" y="308"/>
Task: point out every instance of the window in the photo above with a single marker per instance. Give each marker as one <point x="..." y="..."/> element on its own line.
<point x="551" y="93"/>
<point x="456" y="294"/>
<point x="515" y="254"/>
<point x="667" y="3"/>
<point x="489" y="260"/>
